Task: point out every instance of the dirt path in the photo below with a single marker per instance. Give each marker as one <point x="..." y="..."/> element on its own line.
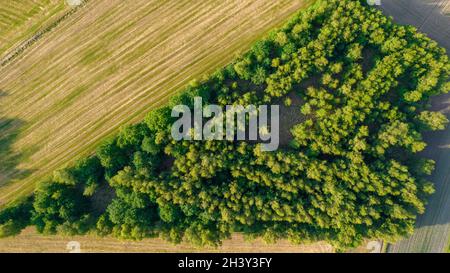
<point x="433" y="228"/>
<point x="29" y="241"/>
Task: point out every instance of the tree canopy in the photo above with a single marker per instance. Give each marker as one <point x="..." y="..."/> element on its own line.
<point x="350" y="172"/>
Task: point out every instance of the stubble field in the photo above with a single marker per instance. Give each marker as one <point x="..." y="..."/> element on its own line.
<point x="107" y="65"/>
<point x="21" y="19"/>
<point x="30" y="241"/>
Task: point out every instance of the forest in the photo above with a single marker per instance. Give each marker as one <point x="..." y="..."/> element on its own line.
<point x="351" y="170"/>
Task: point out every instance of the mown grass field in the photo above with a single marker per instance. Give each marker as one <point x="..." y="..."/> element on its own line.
<point x="107" y="65"/>
<point x="20" y="19"/>
<point x="29" y="241"/>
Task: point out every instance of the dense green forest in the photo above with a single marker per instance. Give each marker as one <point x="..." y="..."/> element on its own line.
<point x="350" y="172"/>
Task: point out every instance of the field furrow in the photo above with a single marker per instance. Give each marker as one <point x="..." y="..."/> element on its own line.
<point x="108" y="64"/>
<point x="433" y="227"/>
<point x="20" y="19"/>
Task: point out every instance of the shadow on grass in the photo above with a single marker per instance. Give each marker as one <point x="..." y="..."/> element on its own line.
<point x="10" y="159"/>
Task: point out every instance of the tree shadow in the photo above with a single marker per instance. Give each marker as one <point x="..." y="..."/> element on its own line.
<point x="429" y="16"/>
<point x="291" y="116"/>
<point x="438" y="149"/>
<point x="9" y="158"/>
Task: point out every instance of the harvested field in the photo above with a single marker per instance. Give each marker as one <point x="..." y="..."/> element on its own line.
<point x="433" y="228"/>
<point x="21" y="19"/>
<point x="429" y="16"/>
<point x="107" y="65"/>
<point x="29" y="241"/>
